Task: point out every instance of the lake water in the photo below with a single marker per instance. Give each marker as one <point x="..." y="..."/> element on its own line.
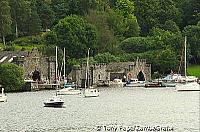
<point x="120" y="108"/>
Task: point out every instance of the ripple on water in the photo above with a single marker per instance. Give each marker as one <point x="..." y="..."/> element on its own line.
<point x="126" y="106"/>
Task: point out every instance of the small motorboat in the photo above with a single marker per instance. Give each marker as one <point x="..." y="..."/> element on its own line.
<point x="154" y="85"/>
<point x="116" y="83"/>
<point x="68" y="91"/>
<point x="55" y="101"/>
<point x="90" y="92"/>
<point x="134" y="83"/>
<point x="3" y="97"/>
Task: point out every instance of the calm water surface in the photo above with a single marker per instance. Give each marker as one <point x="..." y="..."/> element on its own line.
<point x="114" y="107"/>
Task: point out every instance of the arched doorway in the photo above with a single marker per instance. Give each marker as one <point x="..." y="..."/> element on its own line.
<point x="140" y="76"/>
<point x="36" y="76"/>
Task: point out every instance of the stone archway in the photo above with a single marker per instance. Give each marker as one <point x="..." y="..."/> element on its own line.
<point x="140" y="76"/>
<point x="36" y="76"/>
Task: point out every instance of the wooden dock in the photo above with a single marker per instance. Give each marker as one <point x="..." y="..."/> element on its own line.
<point x="48" y="86"/>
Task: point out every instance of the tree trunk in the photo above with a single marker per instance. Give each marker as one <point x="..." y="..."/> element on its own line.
<point x="4" y="41"/>
<point x="16" y="30"/>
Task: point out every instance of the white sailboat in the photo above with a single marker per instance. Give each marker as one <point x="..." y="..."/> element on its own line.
<point x="3" y="97"/>
<point x="89" y="91"/>
<point x="55" y="101"/>
<point x="67" y="90"/>
<point x="190" y="81"/>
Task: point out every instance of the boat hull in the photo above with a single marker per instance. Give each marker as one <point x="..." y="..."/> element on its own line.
<point x="53" y="104"/>
<point x="135" y="85"/>
<point x="3" y="98"/>
<point x="68" y="91"/>
<point x="74" y="92"/>
<point x="154" y="85"/>
<point x="90" y="93"/>
<point x="193" y="86"/>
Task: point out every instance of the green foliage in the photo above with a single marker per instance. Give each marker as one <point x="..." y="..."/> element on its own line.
<point x="191" y="12"/>
<point x="29" y="40"/>
<point x="165" y="61"/>
<point x="76" y="34"/>
<point x="116" y="22"/>
<point x="46" y="14"/>
<point x="34" y="22"/>
<point x="126" y="6"/>
<point x="155" y="13"/>
<point x="193" y="40"/>
<point x="105" y="58"/>
<point x="135" y="44"/>
<point x="171" y="26"/>
<point x="11" y="77"/>
<point x="5" y="19"/>
<point x="123" y="26"/>
<point x="132" y="27"/>
<point x="106" y="41"/>
<point x="20" y="11"/>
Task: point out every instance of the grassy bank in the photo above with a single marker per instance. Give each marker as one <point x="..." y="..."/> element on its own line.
<point x="194" y="70"/>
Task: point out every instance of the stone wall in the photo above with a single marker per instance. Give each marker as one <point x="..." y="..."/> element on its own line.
<point x="31" y="61"/>
<point x="107" y="72"/>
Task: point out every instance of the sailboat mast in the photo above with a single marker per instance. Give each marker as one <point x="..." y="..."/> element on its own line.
<point x="185" y="57"/>
<point x="56" y="64"/>
<point x="87" y="69"/>
<point x="64" y="63"/>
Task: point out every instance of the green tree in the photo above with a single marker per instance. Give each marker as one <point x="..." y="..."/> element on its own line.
<point x="116" y="21"/>
<point x="105" y="58"/>
<point x="5" y="19"/>
<point x="46" y="14"/>
<point x="106" y="39"/>
<point x="171" y="26"/>
<point x="60" y="8"/>
<point x="126" y="6"/>
<point x="193" y="41"/>
<point x="81" y="7"/>
<point x="166" y="60"/>
<point x="11" y="77"/>
<point x="191" y="12"/>
<point x="132" y="27"/>
<point x="20" y="10"/>
<point x="155" y="13"/>
<point x="76" y="34"/>
<point x="135" y="45"/>
<point x="34" y="23"/>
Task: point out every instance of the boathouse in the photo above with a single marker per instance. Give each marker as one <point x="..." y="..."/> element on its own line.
<point x="101" y="74"/>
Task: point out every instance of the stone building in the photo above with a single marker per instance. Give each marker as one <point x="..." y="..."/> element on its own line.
<point x="33" y="62"/>
<point x="104" y="73"/>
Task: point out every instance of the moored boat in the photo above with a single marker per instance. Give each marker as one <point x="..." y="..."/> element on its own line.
<point x="116" y="83"/>
<point x="191" y="86"/>
<point x="135" y="83"/>
<point x="3" y="97"/>
<point x="88" y="90"/>
<point x="91" y="92"/>
<point x="154" y="85"/>
<point x="68" y="91"/>
<point x="55" y="101"/>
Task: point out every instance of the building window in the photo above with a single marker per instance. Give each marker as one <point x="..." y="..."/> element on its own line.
<point x="99" y="76"/>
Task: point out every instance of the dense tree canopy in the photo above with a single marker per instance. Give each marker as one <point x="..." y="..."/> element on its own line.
<point x="121" y="30"/>
<point x="11" y="77"/>
<point x="76" y="34"/>
<point x="5" y="19"/>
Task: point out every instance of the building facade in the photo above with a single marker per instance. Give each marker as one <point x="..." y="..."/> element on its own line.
<point x="104" y="73"/>
<point x="32" y="62"/>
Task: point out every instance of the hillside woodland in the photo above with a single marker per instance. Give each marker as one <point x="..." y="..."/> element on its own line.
<point x="114" y="30"/>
